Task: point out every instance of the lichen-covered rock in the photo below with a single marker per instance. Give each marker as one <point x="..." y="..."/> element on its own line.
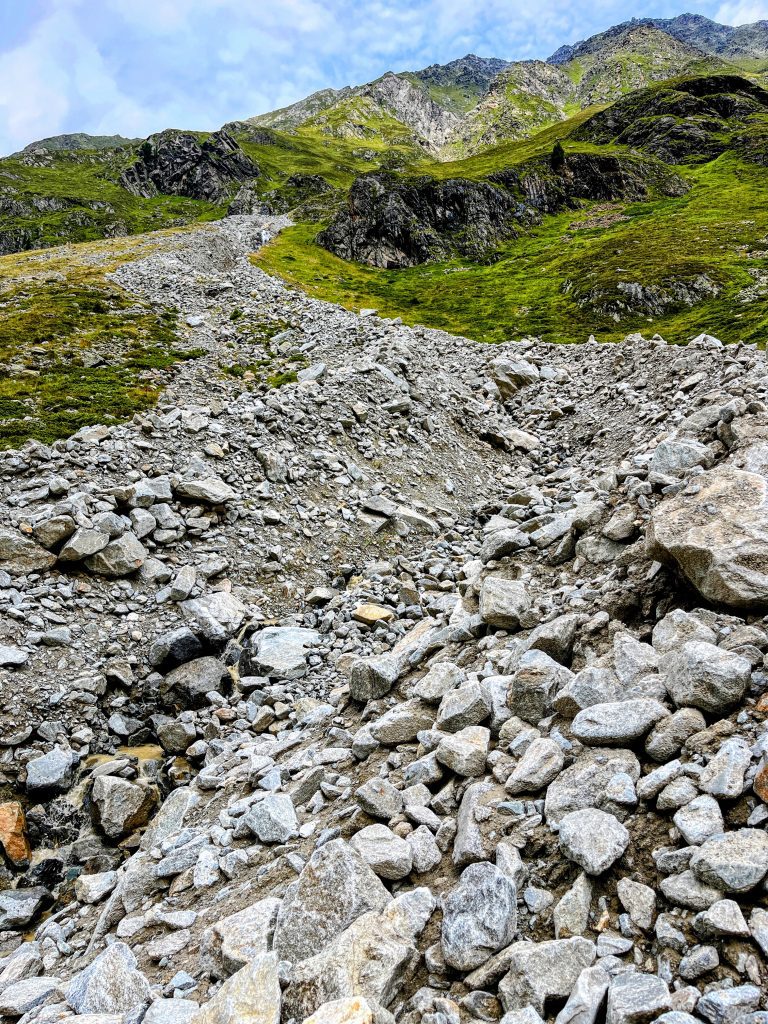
<point x="335" y="887"/>
<point x="718" y="536"/>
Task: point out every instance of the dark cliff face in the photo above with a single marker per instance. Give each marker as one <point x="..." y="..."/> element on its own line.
<point x="177" y="163"/>
<point x="699" y="118"/>
<point x="391" y="223"/>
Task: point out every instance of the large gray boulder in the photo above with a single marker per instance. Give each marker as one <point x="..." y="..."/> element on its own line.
<point x="540" y="764"/>
<point x="273" y="819"/>
<point x="216" y="616"/>
<point x="384" y="852"/>
<point x="196" y="678"/>
<point x="233" y="941"/>
<point x="119" y="558"/>
<point x="82" y="543"/>
<point x="372" y="958"/>
<point x="20" y="906"/>
<point x="210" y="489"/>
<point x="675" y="455"/>
<point x="479" y="916"/>
<point x="634" y="998"/>
<point x="20" y="555"/>
<point x="252" y="996"/>
<point x="536" y="680"/>
<point x="502" y="602"/>
<point x="703" y="676"/>
<point x="541" y="971"/>
<point x="335" y="887"/>
<point x="718" y="536"/>
<point x="733" y="861"/>
<point x="111" y="984"/>
<point x="122" y="806"/>
<point x="52" y="771"/>
<point x="618" y="722"/>
<point x="585" y="782"/>
<point x="281" y="651"/>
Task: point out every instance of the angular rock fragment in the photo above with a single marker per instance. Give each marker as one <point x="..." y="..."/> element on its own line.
<point x="479" y="916"/>
<point x="593" y="839"/>
<point x="335" y="887"/>
<point x="718" y="536"/>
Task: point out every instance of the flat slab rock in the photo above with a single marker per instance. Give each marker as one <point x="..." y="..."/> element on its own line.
<point x="281" y="651"/>
<point x="718" y="536"/>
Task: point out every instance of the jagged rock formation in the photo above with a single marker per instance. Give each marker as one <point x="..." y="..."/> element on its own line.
<point x="727" y="41"/>
<point x="390" y="222"/>
<point x="459" y="84"/>
<point x="177" y="163"/>
<point x="524" y="97"/>
<point x="701" y="117"/>
<point x="431" y="684"/>
<point x="78" y="140"/>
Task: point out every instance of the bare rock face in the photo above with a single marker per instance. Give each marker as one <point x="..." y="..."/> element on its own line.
<point x="718" y="537"/>
<point x="388" y="222"/>
<point x="177" y="163"/>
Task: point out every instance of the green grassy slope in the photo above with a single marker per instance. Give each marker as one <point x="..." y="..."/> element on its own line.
<point x="567" y="278"/>
<point x="76" y="197"/>
<point x="74" y="348"/>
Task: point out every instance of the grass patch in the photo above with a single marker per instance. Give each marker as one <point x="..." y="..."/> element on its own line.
<point x="76" y="197"/>
<point x="542" y="282"/>
<point x="75" y="351"/>
<point x="272" y="368"/>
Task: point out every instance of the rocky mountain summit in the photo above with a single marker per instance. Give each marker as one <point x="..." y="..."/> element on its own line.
<point x="423" y="682"/>
<point x="707" y="36"/>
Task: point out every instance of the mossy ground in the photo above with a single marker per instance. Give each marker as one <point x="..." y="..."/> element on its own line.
<point x="74" y="348"/>
<point x="271" y="366"/>
<point x="541" y="282"/>
<point x="85" y="185"/>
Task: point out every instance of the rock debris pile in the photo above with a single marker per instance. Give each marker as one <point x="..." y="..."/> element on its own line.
<point x="430" y="687"/>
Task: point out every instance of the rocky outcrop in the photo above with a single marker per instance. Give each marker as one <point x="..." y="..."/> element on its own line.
<point x="178" y="163"/>
<point x="701" y="117"/>
<point x="396" y="222"/>
<point x="626" y="297"/>
<point x="525" y="96"/>
<point x="430" y="123"/>
<point x="389" y="223"/>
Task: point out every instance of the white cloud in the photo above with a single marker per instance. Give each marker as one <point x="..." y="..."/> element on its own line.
<point x="137" y="66"/>
<point x="742" y="12"/>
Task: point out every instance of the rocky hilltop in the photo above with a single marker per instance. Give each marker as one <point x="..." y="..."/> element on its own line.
<point x="419" y="681"/>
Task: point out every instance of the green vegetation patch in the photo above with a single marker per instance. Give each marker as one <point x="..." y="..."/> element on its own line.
<point x="76" y="197"/>
<point x="561" y="279"/>
<point x="74" y="354"/>
<point x="261" y="362"/>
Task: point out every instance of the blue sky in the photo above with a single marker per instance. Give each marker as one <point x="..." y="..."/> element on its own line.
<point x="137" y="66"/>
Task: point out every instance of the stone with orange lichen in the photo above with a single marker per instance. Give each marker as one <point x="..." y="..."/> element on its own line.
<point x="13" y="835"/>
